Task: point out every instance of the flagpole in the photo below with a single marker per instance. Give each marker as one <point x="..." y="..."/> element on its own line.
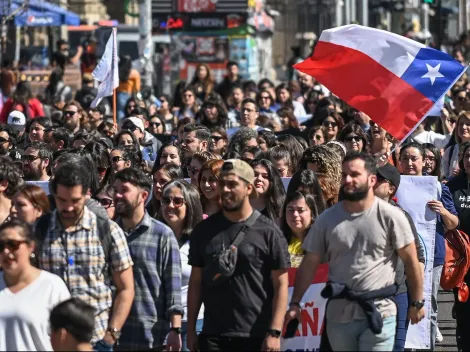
<point x="114" y="107"/>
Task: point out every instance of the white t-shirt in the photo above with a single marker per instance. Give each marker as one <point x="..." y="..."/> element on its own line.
<point x="24" y="316"/>
<point x="185" y="274"/>
<point x="439" y="140"/>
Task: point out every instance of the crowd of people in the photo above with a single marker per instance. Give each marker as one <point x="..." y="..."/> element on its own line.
<point x="175" y="228"/>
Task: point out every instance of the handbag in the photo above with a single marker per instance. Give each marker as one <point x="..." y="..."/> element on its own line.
<point x="222" y="266"/>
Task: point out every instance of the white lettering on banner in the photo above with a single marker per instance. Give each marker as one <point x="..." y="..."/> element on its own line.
<point x="207" y="22"/>
<point x="308" y="335"/>
<point x="39" y="20"/>
<point x="413" y="195"/>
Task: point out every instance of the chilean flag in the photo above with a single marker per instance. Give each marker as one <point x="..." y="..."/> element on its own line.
<point x="393" y="79"/>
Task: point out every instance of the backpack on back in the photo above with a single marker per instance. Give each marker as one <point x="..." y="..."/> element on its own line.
<point x="104" y="233"/>
<point x="457" y="263"/>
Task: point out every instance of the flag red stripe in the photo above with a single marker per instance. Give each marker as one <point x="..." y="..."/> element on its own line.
<point x="367" y="86"/>
<point x="320" y="277"/>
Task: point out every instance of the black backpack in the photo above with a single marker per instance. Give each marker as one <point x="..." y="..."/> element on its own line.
<point x="104" y="233"/>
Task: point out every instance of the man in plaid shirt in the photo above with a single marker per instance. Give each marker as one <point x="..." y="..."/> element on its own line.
<point x="72" y="249"/>
<point x="157" y="309"/>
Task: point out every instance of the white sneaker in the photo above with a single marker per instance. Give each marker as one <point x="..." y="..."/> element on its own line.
<point x="439" y="337"/>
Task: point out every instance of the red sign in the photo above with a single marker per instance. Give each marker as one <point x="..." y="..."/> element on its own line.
<point x="196" y="5"/>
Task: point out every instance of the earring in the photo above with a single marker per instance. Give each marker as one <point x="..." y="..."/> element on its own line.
<point x="32" y="255"/>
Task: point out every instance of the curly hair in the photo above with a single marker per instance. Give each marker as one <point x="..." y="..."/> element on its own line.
<point x="11" y="173"/>
<point x="328" y="172"/>
<point x="240" y="138"/>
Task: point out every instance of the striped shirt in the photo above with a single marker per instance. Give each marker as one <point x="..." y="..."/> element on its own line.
<point x="77" y="256"/>
<point x="157" y="275"/>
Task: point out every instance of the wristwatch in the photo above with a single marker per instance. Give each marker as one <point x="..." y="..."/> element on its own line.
<point x="274" y="333"/>
<point x="417" y="304"/>
<point x="177" y="330"/>
<point x="115" y="333"/>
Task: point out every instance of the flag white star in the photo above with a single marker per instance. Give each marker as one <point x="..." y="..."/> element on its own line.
<point x="433" y="73"/>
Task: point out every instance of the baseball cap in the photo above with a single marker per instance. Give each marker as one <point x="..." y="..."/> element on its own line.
<point x="136" y="122"/>
<point x="389" y="173"/>
<point x="241" y="169"/>
<point x="16" y="155"/>
<point x="16" y="120"/>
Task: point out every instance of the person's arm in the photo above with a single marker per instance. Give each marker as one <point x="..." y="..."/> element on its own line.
<point x="137" y="81"/>
<point x="124" y="282"/>
<point x="414" y="280"/>
<point x="446" y="209"/>
<point x="77" y="56"/>
<point x="194" y="305"/>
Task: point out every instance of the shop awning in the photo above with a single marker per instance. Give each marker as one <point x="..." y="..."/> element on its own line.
<point x="40" y="14"/>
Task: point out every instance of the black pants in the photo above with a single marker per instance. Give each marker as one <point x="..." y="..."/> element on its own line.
<point x="223" y="343"/>
<point x="462" y="312"/>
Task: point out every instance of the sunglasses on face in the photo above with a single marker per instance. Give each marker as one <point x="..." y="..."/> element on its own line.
<point x="69" y="113"/>
<point x="30" y="158"/>
<point x="353" y="139"/>
<point x="265" y="98"/>
<point x="217" y="138"/>
<point x="155" y="124"/>
<point x="329" y="123"/>
<point x="130" y="127"/>
<point x="177" y="201"/>
<point x="317" y="137"/>
<point x="106" y="202"/>
<point x="116" y="159"/>
<point x="3" y="140"/>
<point x="193" y="170"/>
<point x="162" y="100"/>
<point x="11" y="245"/>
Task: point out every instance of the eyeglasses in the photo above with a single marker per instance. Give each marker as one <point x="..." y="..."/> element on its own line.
<point x="11" y="245"/>
<point x="106" y="202"/>
<point x="70" y="113"/>
<point x="265" y="97"/>
<point x="353" y="139"/>
<point x="116" y="159"/>
<point x="30" y="158"/>
<point x="329" y="123"/>
<point x="177" y="201"/>
<point x="430" y="158"/>
<point x="193" y="170"/>
<point x="155" y="124"/>
<point x="217" y="138"/>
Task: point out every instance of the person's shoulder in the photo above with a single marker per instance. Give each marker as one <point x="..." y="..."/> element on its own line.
<point x="50" y="278"/>
<point x="159" y="228"/>
<point x="386" y="209"/>
<point x="456" y="183"/>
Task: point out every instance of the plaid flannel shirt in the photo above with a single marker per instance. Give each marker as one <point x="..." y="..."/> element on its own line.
<point x="157" y="276"/>
<point x="77" y="256"/>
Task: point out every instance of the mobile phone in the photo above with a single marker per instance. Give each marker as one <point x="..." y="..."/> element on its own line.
<point x="291" y="329"/>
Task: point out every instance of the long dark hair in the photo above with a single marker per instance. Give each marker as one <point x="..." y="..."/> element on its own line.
<point x="437" y="155"/>
<point x="125" y="67"/>
<point x="174" y="172"/>
<point x="285" y="228"/>
<point x="193" y="207"/>
<point x="308" y="182"/>
<point x="276" y="193"/>
<point x="22" y="93"/>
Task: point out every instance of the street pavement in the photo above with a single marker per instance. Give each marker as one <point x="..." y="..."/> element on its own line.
<point x="446" y="323"/>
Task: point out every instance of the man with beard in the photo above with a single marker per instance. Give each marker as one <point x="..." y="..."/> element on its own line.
<point x="361" y="238"/>
<point x="72" y="113"/>
<point x="92" y="259"/>
<point x="36" y="160"/>
<point x="249" y="114"/>
<point x="196" y="138"/>
<point x="157" y="309"/>
<point x="245" y="311"/>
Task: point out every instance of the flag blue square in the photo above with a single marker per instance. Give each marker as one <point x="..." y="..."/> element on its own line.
<point x="433" y="73"/>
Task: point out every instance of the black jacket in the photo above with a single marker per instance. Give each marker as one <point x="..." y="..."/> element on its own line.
<point x="460" y="189"/>
<point x="225" y="87"/>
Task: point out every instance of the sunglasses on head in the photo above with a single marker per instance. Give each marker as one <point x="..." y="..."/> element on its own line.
<point x="11" y="245"/>
<point x="106" y="202"/>
<point x="329" y="123"/>
<point x="353" y="139"/>
<point x="130" y="127"/>
<point x="177" y="201"/>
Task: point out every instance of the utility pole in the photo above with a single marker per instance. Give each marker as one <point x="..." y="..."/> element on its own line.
<point x="145" y="41"/>
<point x="365" y="12"/>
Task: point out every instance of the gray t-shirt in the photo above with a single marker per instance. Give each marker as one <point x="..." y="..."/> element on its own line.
<point x="361" y="252"/>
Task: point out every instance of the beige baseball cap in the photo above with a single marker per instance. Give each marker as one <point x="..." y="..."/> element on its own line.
<point x="241" y="169"/>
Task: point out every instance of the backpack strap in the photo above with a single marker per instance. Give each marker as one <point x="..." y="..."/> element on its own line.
<point x="249" y="223"/>
<point x="40" y="232"/>
<point x="104" y="232"/>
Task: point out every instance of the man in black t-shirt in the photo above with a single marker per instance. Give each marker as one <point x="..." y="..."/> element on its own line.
<point x="245" y="312"/>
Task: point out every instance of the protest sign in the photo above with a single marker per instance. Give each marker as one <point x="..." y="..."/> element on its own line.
<point x="413" y="195"/>
<point x="43" y="184"/>
<point x="308" y="335"/>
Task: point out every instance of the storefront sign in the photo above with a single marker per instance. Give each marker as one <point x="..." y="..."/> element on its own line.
<point x="198" y="22"/>
<point x="207" y="22"/>
<point x="196" y="5"/>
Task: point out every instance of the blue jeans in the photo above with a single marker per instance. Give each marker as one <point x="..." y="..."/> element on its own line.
<point x="102" y="346"/>
<point x="121" y="100"/>
<point x="401" y="301"/>
<point x="357" y="336"/>
<point x="436" y="279"/>
<point x="184" y="333"/>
